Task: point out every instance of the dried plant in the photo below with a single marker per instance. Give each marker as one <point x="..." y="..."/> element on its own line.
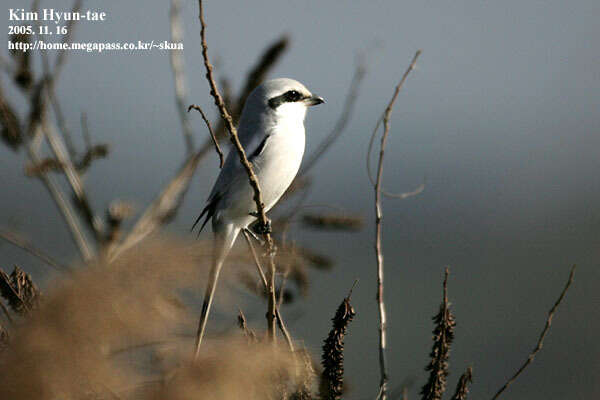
<point x="377" y="187"/>
<point x="442" y="339"/>
<point x="243" y="324"/>
<point x="308" y="376"/>
<point x="233" y="370"/>
<point x="462" y="388"/>
<point x="540" y="342"/>
<point x="333" y="222"/>
<point x="23" y="76"/>
<point x="65" y="349"/>
<point x="93" y="153"/>
<point x="9" y="124"/>
<point x="332" y="377"/>
<point x="19" y="291"/>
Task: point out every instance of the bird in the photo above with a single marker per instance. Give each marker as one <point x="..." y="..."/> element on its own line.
<point x="271" y="131"/>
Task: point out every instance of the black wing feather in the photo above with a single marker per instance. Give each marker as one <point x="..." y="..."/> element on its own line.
<point x="209" y="210"/>
<point x="259" y="149"/>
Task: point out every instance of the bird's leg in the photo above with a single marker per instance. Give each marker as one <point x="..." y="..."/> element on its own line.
<point x="261" y="228"/>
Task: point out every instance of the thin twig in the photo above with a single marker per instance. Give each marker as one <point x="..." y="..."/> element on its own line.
<point x="177" y="63"/>
<point x="52" y="77"/>
<point x="421" y="187"/>
<point x="85" y="131"/>
<point x="212" y="133"/>
<point x="62" y="54"/>
<point x="28" y="247"/>
<point x="244" y="326"/>
<point x="65" y="208"/>
<point x="266" y="62"/>
<point x="162" y="209"/>
<point x="260" y="208"/>
<point x="74" y="178"/>
<point x="255" y="77"/>
<point x="378" y="249"/>
<point x="342" y="121"/>
<point x="540" y="341"/>
<point x="263" y="279"/>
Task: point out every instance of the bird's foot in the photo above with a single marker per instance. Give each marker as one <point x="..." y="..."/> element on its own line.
<point x="259" y="227"/>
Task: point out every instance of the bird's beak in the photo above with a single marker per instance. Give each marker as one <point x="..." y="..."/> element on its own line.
<point x="314" y="100"/>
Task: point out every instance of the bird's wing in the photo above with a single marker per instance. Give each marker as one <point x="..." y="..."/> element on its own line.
<point x="231" y="172"/>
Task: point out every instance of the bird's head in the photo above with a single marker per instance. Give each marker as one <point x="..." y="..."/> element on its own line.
<point x="283" y="99"/>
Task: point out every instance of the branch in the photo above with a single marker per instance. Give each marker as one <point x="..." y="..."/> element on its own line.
<point x="540" y="341"/>
<point x="28" y="247"/>
<point x="263" y="279"/>
<point x="385" y="119"/>
<point x="212" y="133"/>
<point x="177" y="64"/>
<point x="65" y="208"/>
<point x="161" y="210"/>
<point x="342" y="121"/>
<point x="253" y="180"/>
<point x="73" y="177"/>
<point x="378" y="249"/>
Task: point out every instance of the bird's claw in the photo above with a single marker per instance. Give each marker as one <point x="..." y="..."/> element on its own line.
<point x="259" y="227"/>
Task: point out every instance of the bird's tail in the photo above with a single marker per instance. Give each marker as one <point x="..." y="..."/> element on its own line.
<point x="224" y="240"/>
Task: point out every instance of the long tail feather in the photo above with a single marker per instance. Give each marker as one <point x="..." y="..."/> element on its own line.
<point x="223" y="243"/>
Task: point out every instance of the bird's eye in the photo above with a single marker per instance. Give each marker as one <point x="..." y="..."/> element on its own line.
<point x="292" y="95"/>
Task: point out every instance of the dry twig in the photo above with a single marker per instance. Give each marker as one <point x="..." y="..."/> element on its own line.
<point x="263" y="279"/>
<point x="177" y="63"/>
<point x="161" y="210"/>
<point x="462" y="388"/>
<point x="211" y="132"/>
<point x="260" y="208"/>
<point x="28" y="247"/>
<point x="249" y="333"/>
<point x="378" y="249"/>
<point x="342" y="121"/>
<point x="540" y="341"/>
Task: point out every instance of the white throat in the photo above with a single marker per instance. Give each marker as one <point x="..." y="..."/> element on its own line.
<point x="290" y="114"/>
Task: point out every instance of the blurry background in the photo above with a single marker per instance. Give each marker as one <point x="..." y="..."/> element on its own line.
<point x="500" y="118"/>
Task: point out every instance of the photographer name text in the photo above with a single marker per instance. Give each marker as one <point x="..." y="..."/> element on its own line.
<point x="50" y="14"/>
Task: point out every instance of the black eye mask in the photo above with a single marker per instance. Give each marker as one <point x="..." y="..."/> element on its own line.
<point x="290" y="96"/>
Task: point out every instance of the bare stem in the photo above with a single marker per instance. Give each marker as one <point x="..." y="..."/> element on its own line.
<point x="540" y="341"/>
<point x="212" y="133"/>
<point x="263" y="279"/>
<point x="378" y="247"/>
<point x="28" y="247"/>
<point x="65" y="208"/>
<point x="177" y="63"/>
<point x="233" y="136"/>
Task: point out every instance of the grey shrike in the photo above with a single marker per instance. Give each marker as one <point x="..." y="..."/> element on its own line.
<point x="271" y="130"/>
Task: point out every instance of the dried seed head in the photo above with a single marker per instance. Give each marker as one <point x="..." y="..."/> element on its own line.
<point x="332" y="378"/>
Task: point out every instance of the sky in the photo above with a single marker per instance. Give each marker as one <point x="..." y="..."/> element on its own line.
<point x="499" y="119"/>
